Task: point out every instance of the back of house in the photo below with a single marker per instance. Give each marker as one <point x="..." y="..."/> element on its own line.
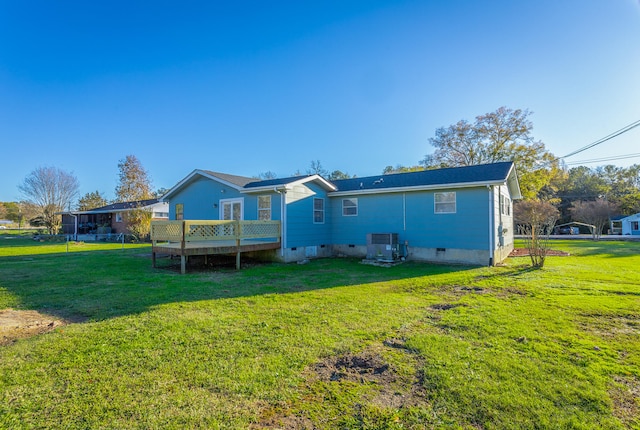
<point x="453" y="215"/>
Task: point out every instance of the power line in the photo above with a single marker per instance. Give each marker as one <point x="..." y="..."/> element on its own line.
<point x="604" y="139"/>
<point x="598" y="160"/>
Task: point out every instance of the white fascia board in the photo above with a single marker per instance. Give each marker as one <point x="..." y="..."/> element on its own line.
<point x="513" y="183"/>
<point x="190" y="176"/>
<point x="273" y="188"/>
<point x="326" y="184"/>
<point x="289" y="185"/>
<point x="415" y="188"/>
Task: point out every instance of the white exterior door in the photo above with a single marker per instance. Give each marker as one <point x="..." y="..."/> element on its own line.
<point x="232" y="209"/>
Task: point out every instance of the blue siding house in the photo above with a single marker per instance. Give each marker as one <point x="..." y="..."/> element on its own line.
<point x="452" y="215"/>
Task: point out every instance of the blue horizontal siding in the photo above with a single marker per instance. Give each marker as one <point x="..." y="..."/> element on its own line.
<point x="301" y="230"/>
<point x="201" y="200"/>
<point x="412" y="215"/>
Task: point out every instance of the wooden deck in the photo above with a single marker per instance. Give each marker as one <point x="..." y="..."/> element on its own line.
<point x="202" y="237"/>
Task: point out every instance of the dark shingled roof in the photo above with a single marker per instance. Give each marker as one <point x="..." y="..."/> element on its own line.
<point x="455" y="175"/>
<point x="114" y="207"/>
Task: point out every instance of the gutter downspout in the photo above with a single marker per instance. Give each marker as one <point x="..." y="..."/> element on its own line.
<point x="492" y="223"/>
<point x="404" y="212"/>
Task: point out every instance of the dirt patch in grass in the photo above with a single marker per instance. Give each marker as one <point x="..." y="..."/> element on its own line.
<point x="524" y="252"/>
<point x="626" y="400"/>
<point x="390" y="389"/>
<point x="16" y="324"/>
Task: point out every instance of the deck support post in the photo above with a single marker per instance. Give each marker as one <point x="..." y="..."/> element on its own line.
<point x="183" y="264"/>
<point x="238" y="254"/>
<point x="153" y="259"/>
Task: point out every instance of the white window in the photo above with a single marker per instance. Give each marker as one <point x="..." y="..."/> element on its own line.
<point x="445" y="203"/>
<point x="161" y="215"/>
<point x="118" y="216"/>
<point x="179" y="211"/>
<point x="318" y="211"/>
<point x="505" y="205"/>
<point x="264" y="208"/>
<point x="349" y="207"/>
<point x="232" y="209"/>
<point x="634" y="225"/>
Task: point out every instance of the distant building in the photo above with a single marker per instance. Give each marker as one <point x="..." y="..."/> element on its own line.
<point x="110" y="219"/>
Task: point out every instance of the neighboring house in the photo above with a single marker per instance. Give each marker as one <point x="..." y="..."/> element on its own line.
<point x="631" y="224"/>
<point x="615" y="224"/>
<point x="110" y="219"/>
<point x="461" y="215"/>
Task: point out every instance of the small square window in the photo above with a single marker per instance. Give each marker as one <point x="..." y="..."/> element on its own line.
<point x="349" y="207"/>
<point x="445" y="203"/>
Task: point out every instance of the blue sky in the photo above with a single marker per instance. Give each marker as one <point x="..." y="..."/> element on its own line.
<point x="249" y="87"/>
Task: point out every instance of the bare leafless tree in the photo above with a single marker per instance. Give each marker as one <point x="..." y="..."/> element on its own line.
<point x="535" y="220"/>
<point x="595" y="212"/>
<point x="51" y="190"/>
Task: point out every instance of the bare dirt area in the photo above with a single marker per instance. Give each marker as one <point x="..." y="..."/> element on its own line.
<point x="392" y="390"/>
<point x="626" y="400"/>
<point x="524" y="252"/>
<point x="17" y="324"/>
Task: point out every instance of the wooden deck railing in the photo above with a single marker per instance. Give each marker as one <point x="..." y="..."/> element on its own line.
<point x="189" y="231"/>
<point x="200" y="237"/>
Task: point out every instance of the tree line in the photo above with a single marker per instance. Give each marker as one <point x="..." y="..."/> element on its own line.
<point x="48" y="191"/>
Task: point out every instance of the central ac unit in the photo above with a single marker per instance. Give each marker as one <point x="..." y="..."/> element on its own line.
<point x="383" y="246"/>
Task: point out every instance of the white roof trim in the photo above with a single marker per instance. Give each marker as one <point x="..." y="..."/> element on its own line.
<point x="512" y="179"/>
<point x="416" y="188"/>
<point x="289" y="185"/>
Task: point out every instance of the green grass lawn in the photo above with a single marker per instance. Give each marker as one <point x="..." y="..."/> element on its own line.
<point x="330" y="344"/>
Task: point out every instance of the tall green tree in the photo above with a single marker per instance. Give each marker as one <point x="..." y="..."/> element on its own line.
<point x="51" y="190"/>
<point x="338" y="174"/>
<point x="399" y="168"/>
<point x="502" y="135"/>
<point x="135" y="185"/>
<point x="618" y="185"/>
<point x="134" y="182"/>
<point x="91" y="201"/>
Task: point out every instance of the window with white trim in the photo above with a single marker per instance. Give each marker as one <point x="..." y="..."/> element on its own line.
<point x="264" y="208"/>
<point x="634" y="225"/>
<point x="505" y="205"/>
<point x="318" y="211"/>
<point x="118" y="216"/>
<point x="444" y="203"/>
<point x="350" y="207"/>
<point x="179" y="211"/>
